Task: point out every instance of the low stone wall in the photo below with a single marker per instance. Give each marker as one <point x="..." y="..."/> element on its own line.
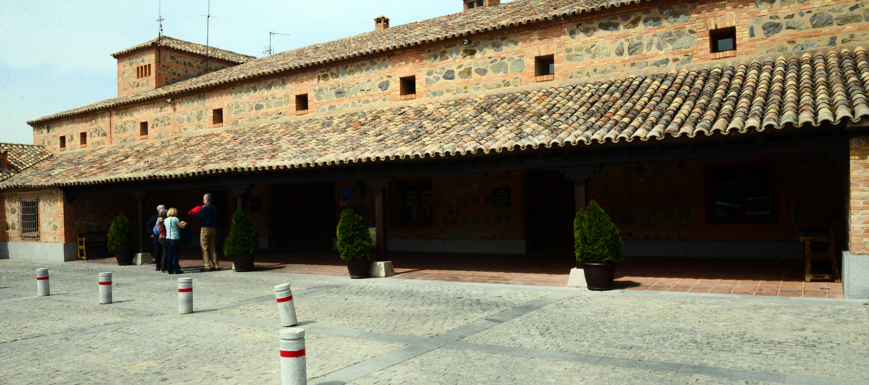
<point x="39" y="251"/>
<point x="855" y="275"/>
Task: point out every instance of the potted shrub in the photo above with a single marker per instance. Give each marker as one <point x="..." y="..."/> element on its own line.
<point x="354" y="244"/>
<point x="598" y="246"/>
<point x="243" y="242"/>
<point x="121" y="240"/>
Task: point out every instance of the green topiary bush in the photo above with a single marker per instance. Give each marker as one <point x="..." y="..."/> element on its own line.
<point x="121" y="238"/>
<point x="354" y="240"/>
<point x="597" y="240"/>
<point x="243" y="236"/>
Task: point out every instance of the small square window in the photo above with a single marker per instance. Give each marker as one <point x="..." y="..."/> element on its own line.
<point x="143" y="129"/>
<point x="301" y="104"/>
<point x="83" y="139"/>
<point x="217" y="117"/>
<point x="62" y="142"/>
<point x="408" y="87"/>
<point x="544" y="67"/>
<point x="722" y="40"/>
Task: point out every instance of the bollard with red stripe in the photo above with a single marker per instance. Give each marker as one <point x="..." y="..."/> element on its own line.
<point x="105" y="288"/>
<point x="286" y="308"/>
<point x="185" y="295"/>
<point x="42" y="287"/>
<point x="293" y="364"/>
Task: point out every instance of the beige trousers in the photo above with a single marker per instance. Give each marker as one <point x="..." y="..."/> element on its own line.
<point x="209" y="251"/>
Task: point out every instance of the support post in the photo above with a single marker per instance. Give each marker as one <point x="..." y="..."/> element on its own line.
<point x="580" y="176"/>
<point x="379" y="186"/>
<point x="139" y="195"/>
<point x="239" y="191"/>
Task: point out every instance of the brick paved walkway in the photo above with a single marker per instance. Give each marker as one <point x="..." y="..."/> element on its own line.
<point x="695" y="275"/>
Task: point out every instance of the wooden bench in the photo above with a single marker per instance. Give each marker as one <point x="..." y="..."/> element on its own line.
<point x="829" y="254"/>
<point x="83" y="243"/>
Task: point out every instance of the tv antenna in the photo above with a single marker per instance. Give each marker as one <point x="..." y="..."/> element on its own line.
<point x="160" y="18"/>
<point x="270" y="50"/>
<point x="207" y="33"/>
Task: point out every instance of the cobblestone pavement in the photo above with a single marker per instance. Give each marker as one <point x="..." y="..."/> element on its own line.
<point x="395" y="331"/>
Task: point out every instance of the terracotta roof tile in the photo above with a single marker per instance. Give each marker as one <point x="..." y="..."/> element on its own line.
<point x="808" y="89"/>
<point x="510" y="14"/>
<point x="186" y="46"/>
<point x="20" y="157"/>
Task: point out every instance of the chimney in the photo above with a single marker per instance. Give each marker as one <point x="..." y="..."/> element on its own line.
<point x="474" y="4"/>
<point x="381" y="22"/>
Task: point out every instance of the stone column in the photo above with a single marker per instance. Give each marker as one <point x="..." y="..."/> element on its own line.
<point x="379" y="186"/>
<point x="239" y="191"/>
<point x="580" y="176"/>
<point x="855" y="261"/>
<point x="139" y="195"/>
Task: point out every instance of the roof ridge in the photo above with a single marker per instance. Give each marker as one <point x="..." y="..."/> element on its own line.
<point x="181" y="45"/>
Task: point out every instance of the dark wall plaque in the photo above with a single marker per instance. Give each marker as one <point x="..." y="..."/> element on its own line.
<point x="501" y="197"/>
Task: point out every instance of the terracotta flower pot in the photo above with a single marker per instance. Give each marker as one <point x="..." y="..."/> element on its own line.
<point x="124" y="258"/>
<point x="599" y="276"/>
<point x="359" y="268"/>
<point x="243" y="262"/>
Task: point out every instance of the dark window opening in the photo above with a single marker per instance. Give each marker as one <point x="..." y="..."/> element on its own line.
<point x="83" y="138"/>
<point x="217" y="117"/>
<point x="723" y="39"/>
<point x="302" y="104"/>
<point x="740" y="195"/>
<point x="473" y="4"/>
<point x="28" y="217"/>
<point x="143" y="71"/>
<point x="544" y="67"/>
<point x="62" y="142"/>
<point x="143" y="129"/>
<point x="414" y="203"/>
<point x="408" y="87"/>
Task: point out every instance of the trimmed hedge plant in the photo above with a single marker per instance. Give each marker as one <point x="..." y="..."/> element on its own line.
<point x="354" y="239"/>
<point x="596" y="237"/>
<point x="121" y="238"/>
<point x="243" y="236"/>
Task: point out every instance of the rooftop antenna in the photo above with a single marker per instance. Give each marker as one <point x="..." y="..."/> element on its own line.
<point x="269" y="50"/>
<point x="160" y="18"/>
<point x="207" y="33"/>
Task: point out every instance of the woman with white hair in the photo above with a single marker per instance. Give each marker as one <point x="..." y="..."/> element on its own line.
<point x="173" y="230"/>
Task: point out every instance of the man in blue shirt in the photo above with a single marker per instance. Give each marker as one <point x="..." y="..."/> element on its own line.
<point x="207" y="217"/>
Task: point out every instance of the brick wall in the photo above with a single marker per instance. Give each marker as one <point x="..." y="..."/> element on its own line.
<point x="666" y="200"/>
<point x="858" y="195"/>
<point x="661" y="35"/>
<point x="176" y="66"/>
<point x="56" y="223"/>
<point x="128" y="82"/>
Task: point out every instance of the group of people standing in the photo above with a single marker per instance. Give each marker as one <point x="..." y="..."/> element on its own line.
<point x="165" y="231"/>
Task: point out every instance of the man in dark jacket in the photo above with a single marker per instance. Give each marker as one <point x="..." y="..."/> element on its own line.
<point x="155" y="237"/>
<point x="207" y="217"/>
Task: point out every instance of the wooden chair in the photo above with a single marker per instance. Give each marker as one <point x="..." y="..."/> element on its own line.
<point x="830" y="254"/>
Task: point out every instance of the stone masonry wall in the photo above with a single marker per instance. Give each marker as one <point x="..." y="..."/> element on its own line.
<point x="55" y="216"/>
<point x="127" y="81"/>
<point x="858" y="195"/>
<point x="666" y="200"/>
<point x="176" y="66"/>
<point x="659" y="36"/>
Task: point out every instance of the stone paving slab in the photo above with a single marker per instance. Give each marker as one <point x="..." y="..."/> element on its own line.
<point x="826" y="341"/>
<point x="66" y="278"/>
<point x="180" y="350"/>
<point x="42" y="315"/>
<point x="449" y="366"/>
<point x="209" y="289"/>
<point x="411" y="310"/>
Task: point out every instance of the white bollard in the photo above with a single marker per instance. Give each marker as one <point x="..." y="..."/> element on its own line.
<point x="285" y="305"/>
<point x="42" y="288"/>
<point x="105" y="288"/>
<point x="293" y="363"/>
<point x="185" y="295"/>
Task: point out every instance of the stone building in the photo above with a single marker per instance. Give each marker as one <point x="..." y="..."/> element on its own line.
<point x="711" y="128"/>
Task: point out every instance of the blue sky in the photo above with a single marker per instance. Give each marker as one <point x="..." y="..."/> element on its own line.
<point x="55" y="55"/>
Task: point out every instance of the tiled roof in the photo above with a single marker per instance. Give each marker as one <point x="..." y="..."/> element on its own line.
<point x="20" y="157"/>
<point x="186" y="46"/>
<point x="480" y="20"/>
<point x="799" y="90"/>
